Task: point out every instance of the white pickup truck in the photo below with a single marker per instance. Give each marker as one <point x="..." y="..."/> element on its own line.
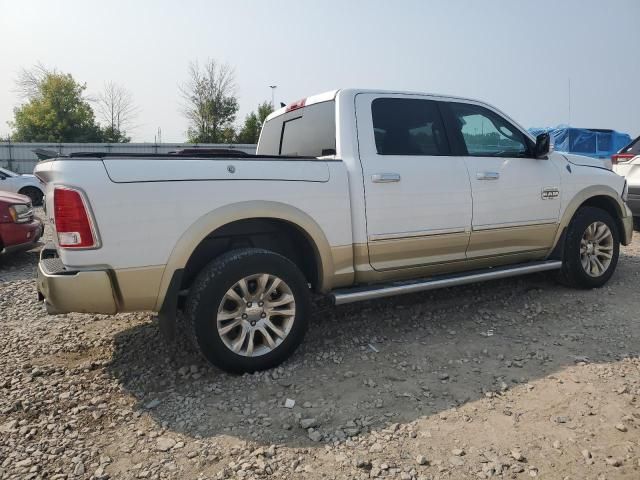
<point x="353" y="194"/>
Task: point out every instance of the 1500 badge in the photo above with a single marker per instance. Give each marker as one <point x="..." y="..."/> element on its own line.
<point x="549" y="193"/>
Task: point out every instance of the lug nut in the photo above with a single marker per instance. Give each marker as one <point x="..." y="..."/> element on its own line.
<point x="244" y="316"/>
<point x="260" y="304"/>
<point x="249" y="304"/>
<point x="262" y="315"/>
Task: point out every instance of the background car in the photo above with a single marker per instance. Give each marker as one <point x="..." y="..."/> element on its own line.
<point x="627" y="163"/>
<point x="27" y="185"/>
<point x="19" y="229"/>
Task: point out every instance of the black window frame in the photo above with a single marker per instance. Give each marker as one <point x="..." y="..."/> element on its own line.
<point x="283" y="128"/>
<point x="459" y="146"/>
<point x="447" y="142"/>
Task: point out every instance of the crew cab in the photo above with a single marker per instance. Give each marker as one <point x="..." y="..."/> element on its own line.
<point x="352" y="194"/>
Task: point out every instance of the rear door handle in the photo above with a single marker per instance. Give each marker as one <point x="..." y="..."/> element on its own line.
<point x="487" y="175"/>
<point x="385" y="177"/>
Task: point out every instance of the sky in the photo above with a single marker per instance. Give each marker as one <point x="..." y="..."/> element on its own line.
<point x="543" y="62"/>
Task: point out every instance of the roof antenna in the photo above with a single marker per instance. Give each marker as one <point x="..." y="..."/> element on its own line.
<point x="282" y="104"/>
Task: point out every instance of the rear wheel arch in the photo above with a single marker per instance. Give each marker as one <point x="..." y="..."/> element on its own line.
<point x="272" y="234"/>
<point x="252" y="211"/>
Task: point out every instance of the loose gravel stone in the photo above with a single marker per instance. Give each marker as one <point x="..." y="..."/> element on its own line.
<point x="101" y="397"/>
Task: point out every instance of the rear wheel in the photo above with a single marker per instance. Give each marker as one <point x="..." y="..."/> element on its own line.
<point x="591" y="250"/>
<point x="248" y="310"/>
<point x="34" y="194"/>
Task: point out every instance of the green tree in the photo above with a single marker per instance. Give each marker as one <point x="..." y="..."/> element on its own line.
<point x="253" y="122"/>
<point x="55" y="111"/>
<point x="210" y="104"/>
<point x="111" y="134"/>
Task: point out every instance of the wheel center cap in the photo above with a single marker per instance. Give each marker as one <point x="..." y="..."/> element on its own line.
<point x="253" y="314"/>
<point x="590" y="247"/>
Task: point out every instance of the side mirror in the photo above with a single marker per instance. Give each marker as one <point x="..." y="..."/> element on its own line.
<point x="543" y="145"/>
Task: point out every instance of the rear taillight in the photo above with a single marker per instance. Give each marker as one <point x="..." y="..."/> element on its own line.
<point x="621" y="157"/>
<point x="73" y="224"/>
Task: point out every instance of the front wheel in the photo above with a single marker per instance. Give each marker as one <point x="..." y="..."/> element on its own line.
<point x="591" y="250"/>
<point x="248" y="310"/>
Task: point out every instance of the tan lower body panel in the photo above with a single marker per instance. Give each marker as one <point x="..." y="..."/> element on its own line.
<point x="436" y="255"/>
<point x="409" y="252"/>
<point x="343" y="273"/>
<point x="506" y="241"/>
<point x="366" y="274"/>
<point x="137" y="288"/>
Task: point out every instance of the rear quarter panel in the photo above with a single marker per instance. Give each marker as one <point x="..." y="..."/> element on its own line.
<point x="141" y="218"/>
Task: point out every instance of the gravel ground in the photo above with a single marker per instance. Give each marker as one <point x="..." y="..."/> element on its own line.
<point x="514" y="379"/>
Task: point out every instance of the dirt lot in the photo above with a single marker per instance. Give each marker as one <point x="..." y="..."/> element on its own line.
<point x="514" y="379"/>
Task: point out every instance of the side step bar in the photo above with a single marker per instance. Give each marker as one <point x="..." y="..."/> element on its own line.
<point x="358" y="294"/>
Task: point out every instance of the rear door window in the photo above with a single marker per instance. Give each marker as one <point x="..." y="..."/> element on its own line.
<point x="408" y="126"/>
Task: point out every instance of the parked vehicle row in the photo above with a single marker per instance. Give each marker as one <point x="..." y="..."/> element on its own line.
<point x="19" y="229"/>
<point x="353" y="194"/>
<point x="23" y="184"/>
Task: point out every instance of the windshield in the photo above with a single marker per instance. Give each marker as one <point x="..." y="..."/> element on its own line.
<point x="9" y="173"/>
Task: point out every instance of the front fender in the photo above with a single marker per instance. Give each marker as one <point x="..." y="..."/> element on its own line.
<point x="623" y="213"/>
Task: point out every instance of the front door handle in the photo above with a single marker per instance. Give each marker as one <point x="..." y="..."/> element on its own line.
<point x="385" y="177"/>
<point x="487" y="175"/>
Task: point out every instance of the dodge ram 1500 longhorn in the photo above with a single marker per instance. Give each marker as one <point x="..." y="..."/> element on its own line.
<point x="354" y="194"/>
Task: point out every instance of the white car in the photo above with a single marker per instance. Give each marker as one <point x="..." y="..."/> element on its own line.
<point x="627" y="163"/>
<point x="353" y="194"/>
<point x="27" y="185"/>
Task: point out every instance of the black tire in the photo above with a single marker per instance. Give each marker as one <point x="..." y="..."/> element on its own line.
<point x="636" y="224"/>
<point x="573" y="274"/>
<point x="209" y="289"/>
<point x="34" y="194"/>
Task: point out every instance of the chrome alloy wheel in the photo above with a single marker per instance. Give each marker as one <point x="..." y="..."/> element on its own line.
<point x="256" y="315"/>
<point x="596" y="249"/>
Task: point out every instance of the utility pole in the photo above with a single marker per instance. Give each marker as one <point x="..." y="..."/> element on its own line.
<point x="273" y="90"/>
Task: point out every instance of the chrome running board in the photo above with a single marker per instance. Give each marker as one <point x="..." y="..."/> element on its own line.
<point x="369" y="292"/>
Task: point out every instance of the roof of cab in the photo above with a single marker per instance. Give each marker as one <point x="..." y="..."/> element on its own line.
<point x="352" y="92"/>
<point x="332" y="94"/>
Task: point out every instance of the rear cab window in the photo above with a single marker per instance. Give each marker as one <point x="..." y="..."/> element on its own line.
<point x="309" y="131"/>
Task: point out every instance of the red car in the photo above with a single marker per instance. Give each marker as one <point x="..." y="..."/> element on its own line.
<point x="19" y="229"/>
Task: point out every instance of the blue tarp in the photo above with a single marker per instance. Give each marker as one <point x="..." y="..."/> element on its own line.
<point x="590" y="142"/>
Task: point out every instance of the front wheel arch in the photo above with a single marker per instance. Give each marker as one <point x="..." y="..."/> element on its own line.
<point x="34" y="193"/>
